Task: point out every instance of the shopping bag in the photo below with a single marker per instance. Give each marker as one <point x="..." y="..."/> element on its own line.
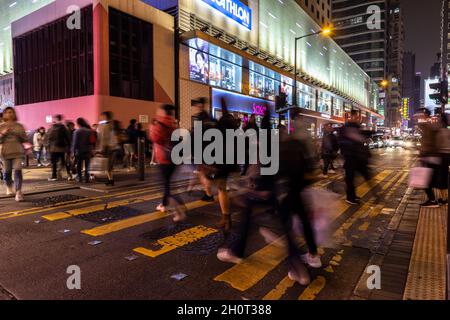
<point x="27" y="148"/>
<point x="99" y="164"/>
<point x="320" y="206"/>
<point x="420" y="177"/>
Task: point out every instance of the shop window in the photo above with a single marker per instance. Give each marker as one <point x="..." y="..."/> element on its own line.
<point x="265" y="83"/>
<point x="338" y="107"/>
<point x="131" y="56"/>
<point x="213" y="65"/>
<point x="324" y="103"/>
<point x="53" y="62"/>
<point x="306" y="97"/>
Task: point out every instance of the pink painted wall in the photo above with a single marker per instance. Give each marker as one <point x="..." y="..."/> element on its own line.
<point x="90" y="107"/>
<point x="34" y="115"/>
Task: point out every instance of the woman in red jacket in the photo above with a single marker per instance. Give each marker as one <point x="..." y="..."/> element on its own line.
<point x="160" y="133"/>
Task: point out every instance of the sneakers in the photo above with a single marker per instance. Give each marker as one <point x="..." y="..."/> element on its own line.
<point x="39" y="165"/>
<point x="207" y="198"/>
<point x="9" y="190"/>
<point x="161" y="208"/>
<point x="302" y="279"/>
<point x="331" y="171"/>
<point x="430" y="204"/>
<point x="352" y="202"/>
<point x="442" y="202"/>
<point x="312" y="261"/>
<point x="19" y="196"/>
<point x="225" y="255"/>
<point x="52" y="179"/>
<point x="323" y="176"/>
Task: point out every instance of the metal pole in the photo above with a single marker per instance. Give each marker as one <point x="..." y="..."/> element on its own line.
<point x="141" y="159"/>
<point x="294" y="96"/>
<point x="448" y="239"/>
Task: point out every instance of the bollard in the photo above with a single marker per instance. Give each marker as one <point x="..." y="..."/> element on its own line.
<point x="141" y="159"/>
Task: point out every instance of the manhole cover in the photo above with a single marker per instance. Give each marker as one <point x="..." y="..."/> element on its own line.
<point x="110" y="215"/>
<point x="51" y="201"/>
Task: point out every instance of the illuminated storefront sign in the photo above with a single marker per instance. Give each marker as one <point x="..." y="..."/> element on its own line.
<point x="233" y="9"/>
<point x="405" y="110"/>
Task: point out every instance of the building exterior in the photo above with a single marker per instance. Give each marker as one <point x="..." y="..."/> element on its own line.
<point x="445" y="39"/>
<point x="319" y="10"/>
<point x="428" y="103"/>
<point x="6" y="91"/>
<point x="435" y="70"/>
<point x="408" y="84"/>
<point x="249" y="59"/>
<point x="119" y="58"/>
<point x="417" y="93"/>
<point x="372" y="33"/>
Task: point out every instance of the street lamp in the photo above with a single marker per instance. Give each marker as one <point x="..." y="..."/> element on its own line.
<point x="325" y="31"/>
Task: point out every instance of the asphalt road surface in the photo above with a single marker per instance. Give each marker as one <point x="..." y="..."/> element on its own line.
<point x="124" y="249"/>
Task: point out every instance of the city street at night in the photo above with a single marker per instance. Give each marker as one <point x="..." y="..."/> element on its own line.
<point x="224" y="158"/>
<point x="381" y="231"/>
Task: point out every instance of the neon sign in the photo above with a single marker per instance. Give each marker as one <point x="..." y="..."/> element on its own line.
<point x="259" y="110"/>
<point x="233" y="9"/>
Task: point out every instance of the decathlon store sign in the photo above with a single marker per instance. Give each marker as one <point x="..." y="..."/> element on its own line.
<point x="233" y="9"/>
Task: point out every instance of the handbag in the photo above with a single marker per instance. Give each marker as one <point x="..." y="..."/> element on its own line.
<point x="420" y="177"/>
<point x="99" y="164"/>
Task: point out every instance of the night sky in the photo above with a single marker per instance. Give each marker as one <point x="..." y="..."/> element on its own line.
<point x="423" y="31"/>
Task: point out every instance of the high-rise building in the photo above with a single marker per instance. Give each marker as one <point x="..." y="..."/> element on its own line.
<point x="396" y="34"/>
<point x="372" y="33"/>
<point x="435" y="70"/>
<point x="417" y="92"/>
<point x="409" y="82"/>
<point x="445" y="39"/>
<point x="319" y="10"/>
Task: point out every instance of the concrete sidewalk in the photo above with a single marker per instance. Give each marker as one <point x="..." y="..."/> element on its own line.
<point x="36" y="180"/>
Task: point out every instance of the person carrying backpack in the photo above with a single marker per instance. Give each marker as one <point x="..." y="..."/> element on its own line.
<point x="57" y="142"/>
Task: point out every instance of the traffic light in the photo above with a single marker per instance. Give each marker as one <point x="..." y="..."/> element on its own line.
<point x="441" y="94"/>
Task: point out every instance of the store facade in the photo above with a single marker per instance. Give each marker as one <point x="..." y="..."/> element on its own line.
<point x="247" y="48"/>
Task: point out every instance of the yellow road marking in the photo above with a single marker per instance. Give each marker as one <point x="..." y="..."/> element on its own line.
<point x="84" y="201"/>
<point x="246" y="274"/>
<point x="313" y="289"/>
<point x="134" y="221"/>
<point x="364" y="226"/>
<point x="259" y="264"/>
<point x="280" y="289"/>
<point x="178" y="240"/>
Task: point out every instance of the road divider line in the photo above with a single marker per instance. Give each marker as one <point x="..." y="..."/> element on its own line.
<point x="83" y="201"/>
<point x="280" y="289"/>
<point x="176" y="241"/>
<point x="138" y="220"/>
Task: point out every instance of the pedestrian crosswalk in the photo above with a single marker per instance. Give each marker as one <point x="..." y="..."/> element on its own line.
<point x="254" y="268"/>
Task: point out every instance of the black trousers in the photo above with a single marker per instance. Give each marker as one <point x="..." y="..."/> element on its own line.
<point x="55" y="158"/>
<point x="327" y="163"/>
<point x="351" y="168"/>
<point x="167" y="171"/>
<point x="86" y="160"/>
<point x="290" y="205"/>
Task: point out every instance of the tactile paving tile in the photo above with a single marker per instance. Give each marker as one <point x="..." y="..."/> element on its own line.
<point x="427" y="269"/>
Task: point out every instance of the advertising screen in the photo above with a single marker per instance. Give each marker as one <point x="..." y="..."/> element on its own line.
<point x="199" y="60"/>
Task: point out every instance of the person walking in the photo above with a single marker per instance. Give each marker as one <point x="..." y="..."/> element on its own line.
<point x="443" y="148"/>
<point x="108" y="142"/>
<point x="356" y="155"/>
<point x="38" y="145"/>
<point x="81" y="148"/>
<point x="329" y="150"/>
<point x="129" y="147"/>
<point x="12" y="138"/>
<point x="161" y="132"/>
<point x="57" y="142"/>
